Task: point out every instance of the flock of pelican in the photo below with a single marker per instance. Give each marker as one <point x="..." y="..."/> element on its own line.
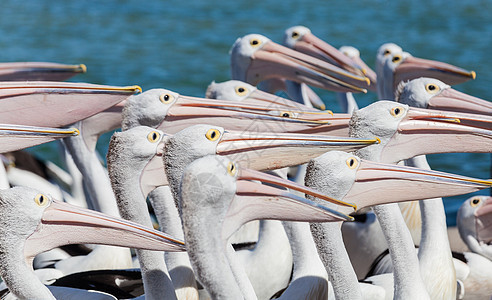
<point x="255" y="196"/>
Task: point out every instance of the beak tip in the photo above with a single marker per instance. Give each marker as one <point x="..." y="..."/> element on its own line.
<point x="76" y="132"/>
<point x="83" y="68"/>
<point x="473" y="75"/>
<point x="137" y="89"/>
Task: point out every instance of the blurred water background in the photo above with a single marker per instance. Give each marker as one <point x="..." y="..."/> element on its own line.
<point x="183" y="45"/>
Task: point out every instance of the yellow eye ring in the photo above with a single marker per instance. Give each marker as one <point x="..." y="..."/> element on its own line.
<point x="212" y="134"/>
<point x="396" y="58"/>
<point x="166" y="98"/>
<point x="241" y="91"/>
<point x="396" y="111"/>
<point x="255" y="42"/>
<point x="386" y="52"/>
<point x="352" y="162"/>
<point x="41" y="200"/>
<point x="231" y="169"/>
<point x="153" y="136"/>
<point x="432" y="88"/>
<point x="295" y="35"/>
<point x="286" y="114"/>
<point x="475" y="201"/>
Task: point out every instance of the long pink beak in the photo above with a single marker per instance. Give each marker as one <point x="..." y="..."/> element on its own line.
<point x="453" y="100"/>
<point x="274" y="60"/>
<point x="63" y="224"/>
<point x="425" y="131"/>
<point x="483" y="221"/>
<point x="312" y="45"/>
<point x="16" y="137"/>
<point x="254" y="201"/>
<point x="186" y="111"/>
<point x="56" y="104"/>
<point x="269" y="151"/>
<point x="413" y="67"/>
<point x="38" y="71"/>
<point x="378" y="183"/>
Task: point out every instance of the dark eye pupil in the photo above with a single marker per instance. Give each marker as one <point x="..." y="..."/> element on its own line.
<point x="397" y="111"/>
<point x="285" y="115"/>
<point x="351" y="163"/>
<point x="395" y="59"/>
<point x="232" y="167"/>
<point x="241" y="90"/>
<point x="475" y="201"/>
<point x="212" y="135"/>
<point x="386" y="52"/>
<point x="432" y="87"/>
<point x="294" y="34"/>
<point x="166" y="97"/>
<point x="255" y="42"/>
<point x="41" y="199"/>
<point x="154" y="136"/>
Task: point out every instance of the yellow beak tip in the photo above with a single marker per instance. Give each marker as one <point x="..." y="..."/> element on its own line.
<point x="473" y="75"/>
<point x="137" y="89"/>
<point x="76" y="132"/>
<point x="83" y="68"/>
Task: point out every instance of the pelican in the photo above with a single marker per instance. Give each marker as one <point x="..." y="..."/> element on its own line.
<point x="393" y="66"/>
<point x="38" y="71"/>
<point x="231" y="200"/>
<point x="237" y="90"/>
<point x="435" y="94"/>
<point x="32" y="223"/>
<point x="255" y="58"/>
<point x="394" y="147"/>
<point x="474" y="219"/>
<point x="345" y="176"/>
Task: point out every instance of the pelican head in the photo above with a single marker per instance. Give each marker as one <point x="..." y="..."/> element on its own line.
<point x="255" y="58"/>
<point x="434" y="94"/>
<point x="354" y="54"/>
<point x="366" y="183"/>
<point x="406" y="131"/>
<point x="32" y="222"/>
<point x="474" y="222"/>
<point x="394" y="66"/>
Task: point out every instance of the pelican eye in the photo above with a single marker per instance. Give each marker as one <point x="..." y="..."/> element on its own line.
<point x="166" y="98"/>
<point x="255" y="42"/>
<point x="41" y="200"/>
<point x="396" y="111"/>
<point x="352" y="162"/>
<point x="212" y="134"/>
<point x="432" y="88"/>
<point x="153" y="136"/>
<point x="231" y="169"/>
<point x="241" y="91"/>
<point x="475" y="201"/>
<point x="295" y="35"/>
<point x="386" y="52"/>
<point x="396" y="58"/>
<point x="286" y="114"/>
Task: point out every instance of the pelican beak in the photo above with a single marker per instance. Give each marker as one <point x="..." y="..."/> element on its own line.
<point x="42" y="71"/>
<point x="438" y="132"/>
<point x="254" y="201"/>
<point x="153" y="175"/>
<point x="63" y="224"/>
<point x="268" y="151"/>
<point x="413" y="67"/>
<point x="107" y="120"/>
<point x="29" y="103"/>
<point x="312" y="45"/>
<point x="483" y="221"/>
<point x="453" y="100"/>
<point x="258" y="97"/>
<point x="16" y="137"/>
<point x="368" y="72"/>
<point x="274" y="60"/>
<point x="187" y="111"/>
<point x="378" y="183"/>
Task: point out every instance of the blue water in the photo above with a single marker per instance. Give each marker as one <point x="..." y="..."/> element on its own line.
<point x="184" y="46"/>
